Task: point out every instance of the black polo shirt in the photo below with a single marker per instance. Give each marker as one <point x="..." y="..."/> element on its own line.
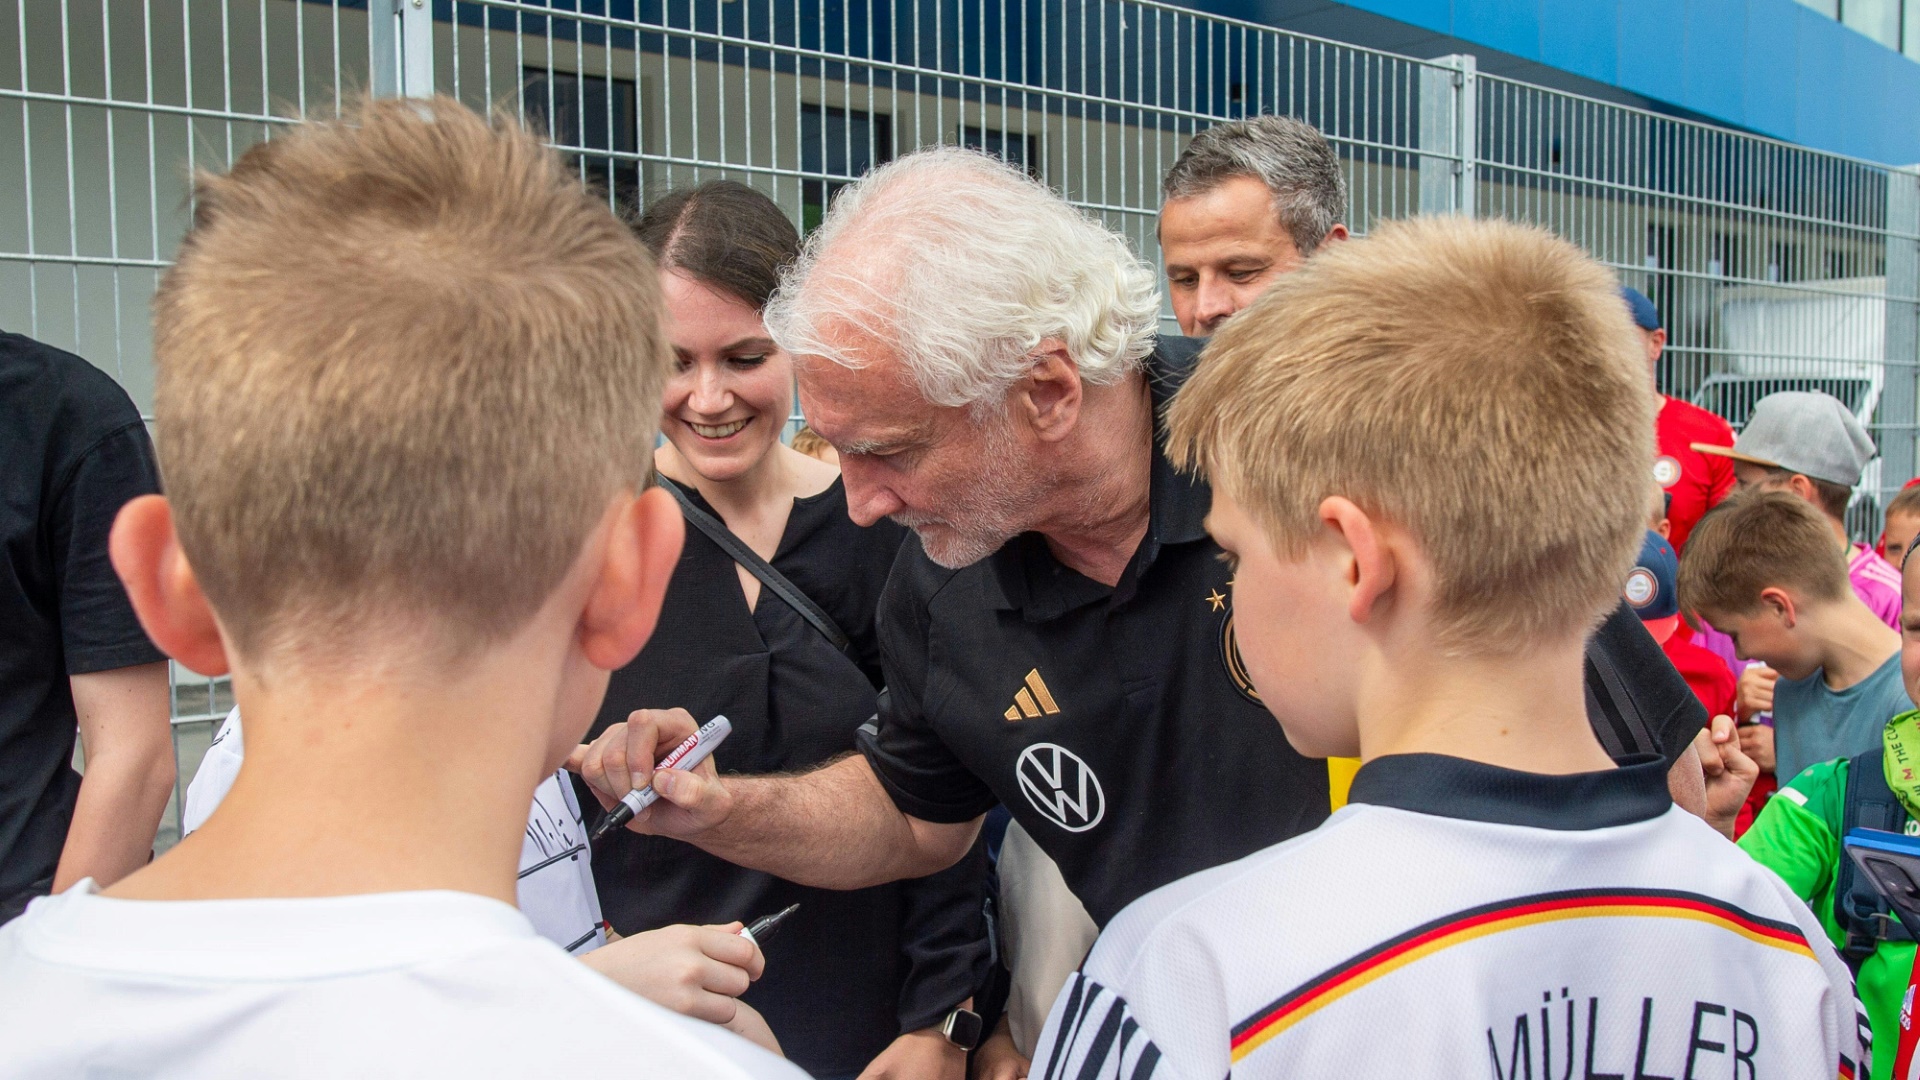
<point x="1115" y="723"/>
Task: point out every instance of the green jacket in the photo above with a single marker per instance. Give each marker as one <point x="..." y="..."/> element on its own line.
<point x="1798" y="837"/>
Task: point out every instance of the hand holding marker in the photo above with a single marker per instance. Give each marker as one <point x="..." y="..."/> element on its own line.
<point x="688" y="755"/>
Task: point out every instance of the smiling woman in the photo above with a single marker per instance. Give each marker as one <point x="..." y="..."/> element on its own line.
<point x="856" y="969"/>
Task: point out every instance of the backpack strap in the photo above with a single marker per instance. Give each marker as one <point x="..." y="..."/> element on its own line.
<point x="1857" y="906"/>
<point x="1615" y="716"/>
<point x="774" y="580"/>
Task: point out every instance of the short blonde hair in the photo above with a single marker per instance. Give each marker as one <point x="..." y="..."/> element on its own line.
<point x="403" y="362"/>
<point x="1477" y="383"/>
<point x="1759" y="540"/>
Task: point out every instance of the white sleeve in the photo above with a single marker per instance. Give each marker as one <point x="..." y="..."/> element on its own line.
<point x="214" y="778"/>
<point x="1092" y="1032"/>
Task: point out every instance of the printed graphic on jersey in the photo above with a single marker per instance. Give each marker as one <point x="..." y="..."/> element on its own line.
<point x="1424" y="941"/>
<point x="1061" y="787"/>
<point x="1096" y="1037"/>
<point x="1666" y="471"/>
<point x="1032" y="700"/>
<point x="1230" y="659"/>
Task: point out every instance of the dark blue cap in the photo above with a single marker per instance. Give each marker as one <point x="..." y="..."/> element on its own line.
<point x="1645" y="315"/>
<point x="1652" y="590"/>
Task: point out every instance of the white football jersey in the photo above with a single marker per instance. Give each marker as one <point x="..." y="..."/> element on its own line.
<point x="556" y="890"/>
<point x="1455" y="920"/>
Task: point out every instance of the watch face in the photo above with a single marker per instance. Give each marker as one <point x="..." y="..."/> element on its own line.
<point x="963" y="1028"/>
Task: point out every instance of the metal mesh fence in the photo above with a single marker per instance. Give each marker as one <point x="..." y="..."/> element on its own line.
<point x="1776" y="266"/>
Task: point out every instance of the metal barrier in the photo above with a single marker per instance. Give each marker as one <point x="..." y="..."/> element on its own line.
<point x="1776" y="266"/>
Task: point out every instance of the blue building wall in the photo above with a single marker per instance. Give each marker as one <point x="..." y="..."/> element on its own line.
<point x="1769" y="66"/>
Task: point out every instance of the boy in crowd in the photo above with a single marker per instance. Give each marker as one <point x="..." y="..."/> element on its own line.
<point x="408" y="377"/>
<point x="1798" y="836"/>
<point x="1506" y="890"/>
<point x="1902" y="525"/>
<point x="1763" y="569"/>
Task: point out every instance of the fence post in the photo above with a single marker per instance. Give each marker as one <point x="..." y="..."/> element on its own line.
<point x="400" y="48"/>
<point x="1449" y="131"/>
<point x="383" y="47"/>
<point x="1898" y="404"/>
<point x="416" y="48"/>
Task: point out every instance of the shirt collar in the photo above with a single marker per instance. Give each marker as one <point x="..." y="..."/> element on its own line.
<point x="1472" y="791"/>
<point x="1024" y="574"/>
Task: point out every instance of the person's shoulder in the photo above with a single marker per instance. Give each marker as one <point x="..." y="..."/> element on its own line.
<point x="1709" y="426"/>
<point x="37" y="375"/>
<point x="1234" y="902"/>
<point x="1820" y="789"/>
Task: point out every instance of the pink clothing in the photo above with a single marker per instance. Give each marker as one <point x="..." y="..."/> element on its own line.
<point x="1876" y="583"/>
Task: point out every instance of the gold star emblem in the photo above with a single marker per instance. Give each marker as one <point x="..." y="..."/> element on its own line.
<point x="1218" y="601"/>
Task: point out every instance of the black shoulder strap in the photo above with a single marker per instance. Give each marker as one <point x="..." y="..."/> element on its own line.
<point x="1870" y="804"/>
<point x="718" y="532"/>
<point x="1615" y="716"/>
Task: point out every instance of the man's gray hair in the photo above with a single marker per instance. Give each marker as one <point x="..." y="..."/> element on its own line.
<point x="1292" y="158"/>
<point x="961" y="266"/>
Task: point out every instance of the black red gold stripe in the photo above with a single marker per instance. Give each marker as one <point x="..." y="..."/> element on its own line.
<point x="1450" y="930"/>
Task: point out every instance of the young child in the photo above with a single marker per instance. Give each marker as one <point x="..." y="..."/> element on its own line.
<point x="1902" y="525"/>
<point x="408" y="377"/>
<point x="1763" y="568"/>
<point x="1428" y="452"/>
<point x="1798" y="837"/>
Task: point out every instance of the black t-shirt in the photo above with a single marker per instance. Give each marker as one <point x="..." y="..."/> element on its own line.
<point x="73" y="451"/>
<point x="849" y="971"/>
<point x="1117" y="724"/>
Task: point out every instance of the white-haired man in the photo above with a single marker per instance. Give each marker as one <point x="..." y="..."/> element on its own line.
<point x="1059" y="637"/>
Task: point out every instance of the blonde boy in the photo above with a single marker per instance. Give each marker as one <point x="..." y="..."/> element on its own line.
<point x="408" y="377"/>
<point x="1428" y="452"/>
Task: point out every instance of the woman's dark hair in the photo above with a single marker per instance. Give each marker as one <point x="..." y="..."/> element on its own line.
<point x="724" y="233"/>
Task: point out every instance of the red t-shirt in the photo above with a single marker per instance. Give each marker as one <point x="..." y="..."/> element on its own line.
<point x="1707" y="675"/>
<point x="1695" y="480"/>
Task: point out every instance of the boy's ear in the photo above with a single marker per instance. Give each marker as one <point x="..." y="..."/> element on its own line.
<point x="1780" y="603"/>
<point x="1371" y="567"/>
<point x="642" y="550"/>
<point x="161" y="584"/>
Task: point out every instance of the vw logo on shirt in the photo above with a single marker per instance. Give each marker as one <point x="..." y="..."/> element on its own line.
<point x="1061" y="787"/>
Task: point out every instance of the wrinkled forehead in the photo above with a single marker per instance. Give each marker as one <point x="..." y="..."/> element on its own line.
<point x="872" y="398"/>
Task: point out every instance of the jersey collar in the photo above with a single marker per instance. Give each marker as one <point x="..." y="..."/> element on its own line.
<point x="1471" y="791"/>
<point x="1025" y="575"/>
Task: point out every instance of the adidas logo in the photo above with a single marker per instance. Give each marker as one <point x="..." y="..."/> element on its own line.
<point x="1033" y="700"/>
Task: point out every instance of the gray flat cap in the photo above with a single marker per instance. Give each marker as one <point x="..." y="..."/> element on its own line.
<point x="1803" y="431"/>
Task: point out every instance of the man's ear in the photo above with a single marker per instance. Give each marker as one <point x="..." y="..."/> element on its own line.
<point x="1335" y="235"/>
<point x="1371" y="565"/>
<point x="162" y="587"/>
<point x="1049" y="395"/>
<point x="642" y="550"/>
<point x="1781" y="604"/>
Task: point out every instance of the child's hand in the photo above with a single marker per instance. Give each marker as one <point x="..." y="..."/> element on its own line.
<point x="1755" y="693"/>
<point x="696" y="971"/>
<point x="1756" y="741"/>
<point x="1728" y="770"/>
